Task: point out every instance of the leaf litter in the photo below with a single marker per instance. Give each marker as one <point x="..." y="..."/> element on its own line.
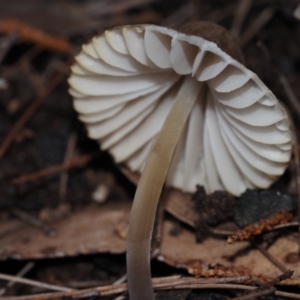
<point x="83" y="227"/>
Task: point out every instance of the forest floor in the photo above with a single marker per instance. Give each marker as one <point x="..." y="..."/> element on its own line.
<point x="64" y="204"/>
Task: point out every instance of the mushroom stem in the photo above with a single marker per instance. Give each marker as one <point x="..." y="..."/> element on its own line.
<point x="149" y="189"/>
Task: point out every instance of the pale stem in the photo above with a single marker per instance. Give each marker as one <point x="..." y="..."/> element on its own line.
<point x="149" y="189"/>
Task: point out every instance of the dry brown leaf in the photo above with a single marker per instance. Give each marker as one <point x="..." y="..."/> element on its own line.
<point x="181" y="206"/>
<point x="94" y="229"/>
<point x="183" y="251"/>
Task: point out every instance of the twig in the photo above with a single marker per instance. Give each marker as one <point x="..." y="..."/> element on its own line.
<point x="60" y="74"/>
<point x="220" y="14"/>
<point x="52" y="170"/>
<point x="33" y="221"/>
<point x="270" y="257"/>
<point x="240" y="16"/>
<point x="286" y="275"/>
<point x="218" y="271"/>
<point x="290" y="282"/>
<point x="158" y="283"/>
<point x="287" y="295"/>
<point x="221" y="231"/>
<point x="120" y="298"/>
<point x="264" y="17"/>
<point x="34" y="35"/>
<point x="120" y="280"/>
<point x="255" y="294"/>
<point x="68" y="157"/>
<point x="260" y="226"/>
<point x="34" y="283"/>
<point x="230" y="232"/>
<point x="281" y="226"/>
<point x="179" y="16"/>
<point x="267" y="288"/>
<point x="21" y="273"/>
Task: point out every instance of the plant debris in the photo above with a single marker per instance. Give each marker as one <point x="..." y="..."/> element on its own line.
<point x="36" y="36"/>
<point x="217" y="271"/>
<point x="259" y="227"/>
<point x="182" y="251"/>
<point x="213" y="209"/>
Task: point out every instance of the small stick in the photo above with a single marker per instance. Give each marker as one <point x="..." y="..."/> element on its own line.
<point x="255" y="294"/>
<point x="267" y="288"/>
<point x="68" y="157"/>
<point x="120" y="298"/>
<point x="120" y="280"/>
<point x="52" y="170"/>
<point x="229" y="232"/>
<point x="270" y="257"/>
<point x="34" y="283"/>
<point x="32" y="108"/>
<point x="240" y="16"/>
<point x="33" y="221"/>
<point x="290" y="282"/>
<point x="219" y="271"/>
<point x="30" y="34"/>
<point x="21" y="273"/>
<point x="158" y="283"/>
<point x="281" y="226"/>
<point x="260" y="226"/>
<point x="286" y="275"/>
<point x="179" y="16"/>
<point x="264" y="17"/>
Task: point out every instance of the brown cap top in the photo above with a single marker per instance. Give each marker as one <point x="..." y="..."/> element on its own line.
<point x="215" y="33"/>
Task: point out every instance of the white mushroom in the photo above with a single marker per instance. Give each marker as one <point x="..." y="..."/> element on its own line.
<point x="143" y="90"/>
<point x="297" y="12"/>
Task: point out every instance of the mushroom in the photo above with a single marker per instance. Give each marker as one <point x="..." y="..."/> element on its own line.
<point x="179" y="107"/>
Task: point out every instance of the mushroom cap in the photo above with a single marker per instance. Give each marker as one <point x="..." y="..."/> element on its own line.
<point x="297" y="12"/>
<point x="125" y="81"/>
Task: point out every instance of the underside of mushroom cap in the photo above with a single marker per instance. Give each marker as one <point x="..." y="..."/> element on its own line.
<point x="213" y="32"/>
<point x="124" y="83"/>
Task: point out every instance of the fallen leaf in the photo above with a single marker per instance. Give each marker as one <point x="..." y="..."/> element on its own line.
<point x="183" y="251"/>
<point x="93" y="229"/>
